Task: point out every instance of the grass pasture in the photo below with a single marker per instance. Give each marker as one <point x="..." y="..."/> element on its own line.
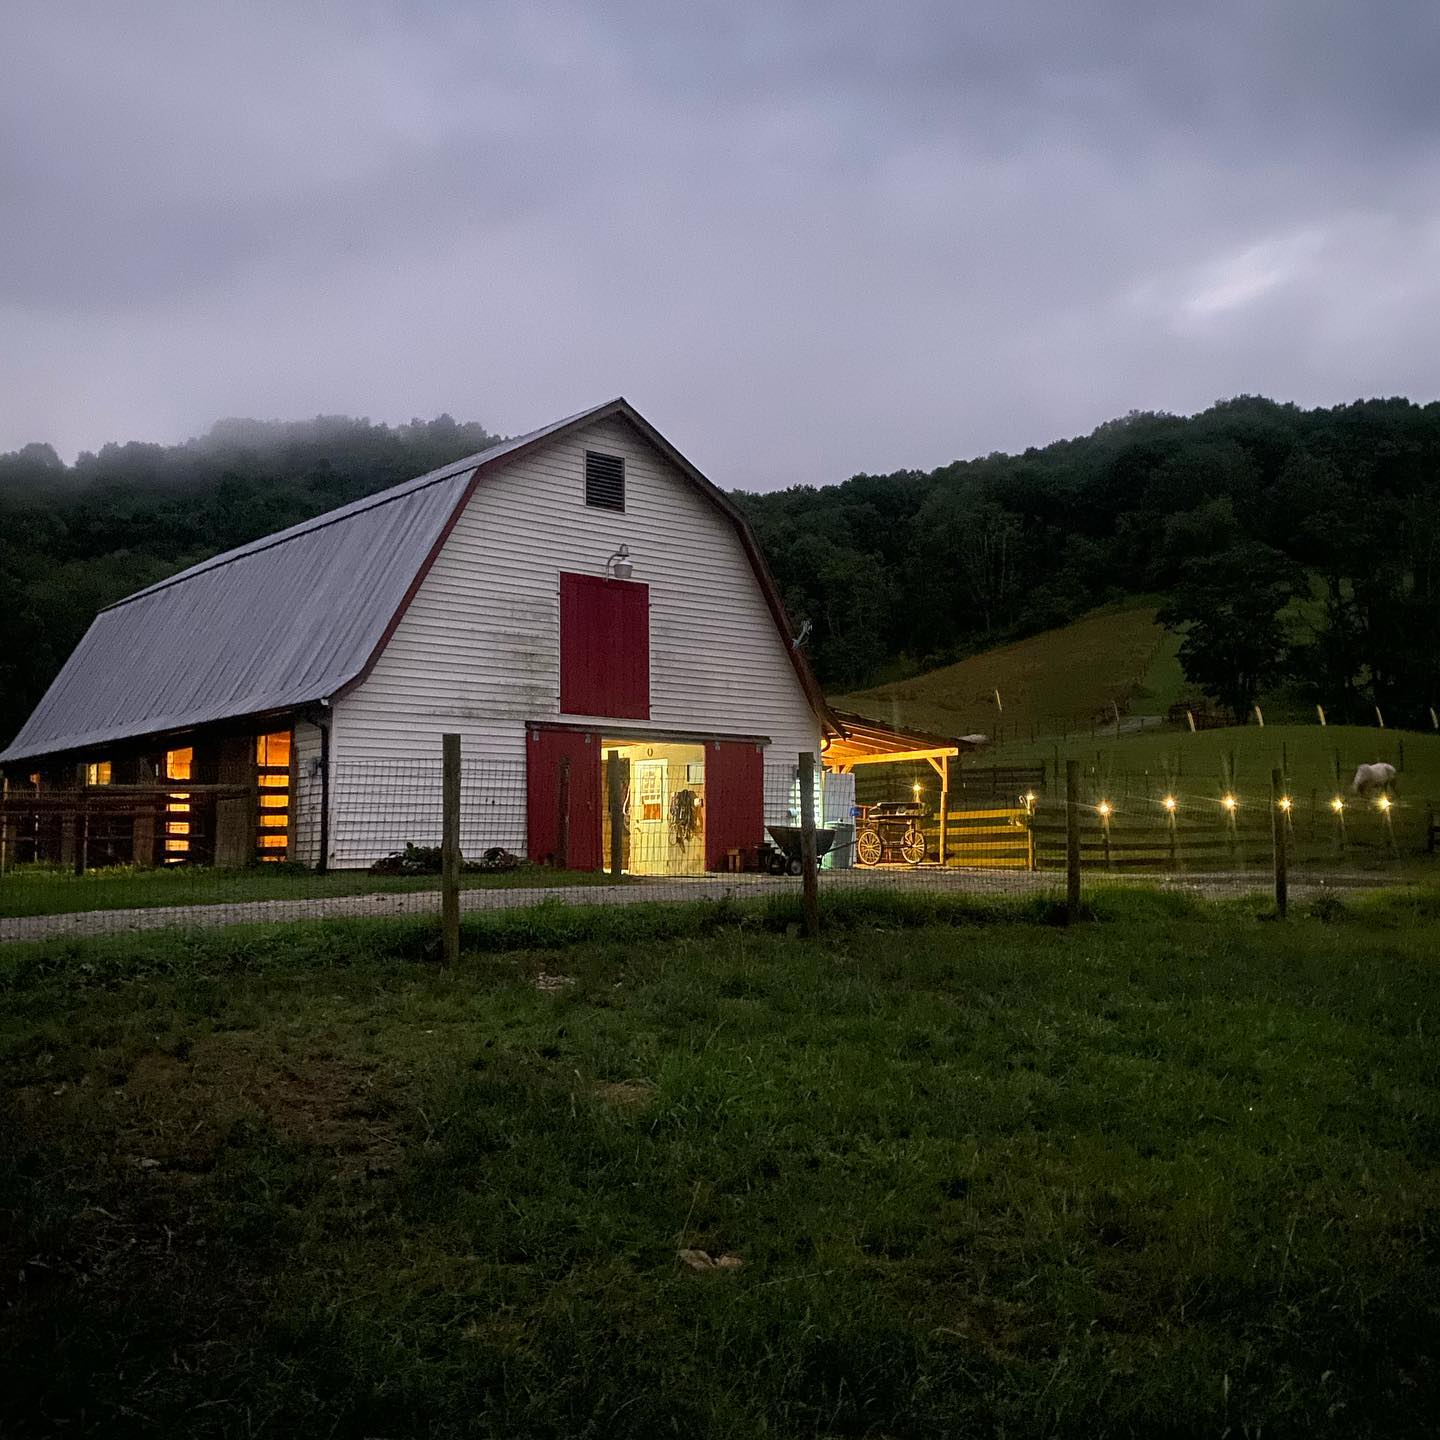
<point x="1175" y="1172"/>
<point x="1052" y="681"/>
<point x="1135" y="772"/>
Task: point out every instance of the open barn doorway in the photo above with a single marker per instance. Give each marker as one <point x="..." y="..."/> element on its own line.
<point x="662" y="806"/>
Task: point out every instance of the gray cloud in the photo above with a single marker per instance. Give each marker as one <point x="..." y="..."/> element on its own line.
<point x="806" y="239"/>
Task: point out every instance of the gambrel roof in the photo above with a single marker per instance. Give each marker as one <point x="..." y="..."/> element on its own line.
<point x="295" y="617"/>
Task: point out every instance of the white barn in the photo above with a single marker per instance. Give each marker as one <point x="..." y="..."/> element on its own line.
<point x="576" y="590"/>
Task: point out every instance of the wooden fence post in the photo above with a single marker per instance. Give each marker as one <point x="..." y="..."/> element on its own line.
<point x="615" y="788"/>
<point x="1072" y="841"/>
<point x="811" y="881"/>
<point x="1278" y="833"/>
<point x="450" y="848"/>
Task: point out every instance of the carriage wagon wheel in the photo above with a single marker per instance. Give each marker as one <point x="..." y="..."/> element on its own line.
<point x="912" y="845"/>
<point x="868" y="848"/>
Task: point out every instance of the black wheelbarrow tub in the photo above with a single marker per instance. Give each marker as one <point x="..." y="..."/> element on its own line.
<point x="790" y="839"/>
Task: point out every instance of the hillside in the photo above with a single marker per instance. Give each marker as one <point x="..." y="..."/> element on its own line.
<point x="1051" y="683"/>
<point x="1250" y="501"/>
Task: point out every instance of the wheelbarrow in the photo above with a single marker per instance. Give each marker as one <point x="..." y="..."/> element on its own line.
<point x="789" y="840"/>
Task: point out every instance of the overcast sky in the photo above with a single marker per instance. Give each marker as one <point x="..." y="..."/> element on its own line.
<point x="805" y="239"/>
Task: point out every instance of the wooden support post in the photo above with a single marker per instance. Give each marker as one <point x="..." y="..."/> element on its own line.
<point x="562" y="828"/>
<point x="1072" y="841"/>
<point x="1278" y="831"/>
<point x="811" y="881"/>
<point x="450" y="849"/>
<point x="615" y="769"/>
<point x="944" y="804"/>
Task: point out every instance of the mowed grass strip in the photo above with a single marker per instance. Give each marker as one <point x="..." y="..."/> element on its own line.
<point x="50" y="890"/>
<point x="1175" y="1172"/>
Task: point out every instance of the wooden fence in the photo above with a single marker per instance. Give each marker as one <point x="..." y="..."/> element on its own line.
<point x="1002" y="782"/>
<point x="992" y="839"/>
<point x="1132" y="843"/>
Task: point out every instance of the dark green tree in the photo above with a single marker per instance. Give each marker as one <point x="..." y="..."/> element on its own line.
<point x="1228" y="611"/>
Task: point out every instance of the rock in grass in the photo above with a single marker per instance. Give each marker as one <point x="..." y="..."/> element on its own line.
<point x="700" y="1260"/>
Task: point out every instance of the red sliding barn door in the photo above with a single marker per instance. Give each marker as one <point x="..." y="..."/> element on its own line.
<point x="545" y="750"/>
<point x="734" y="798"/>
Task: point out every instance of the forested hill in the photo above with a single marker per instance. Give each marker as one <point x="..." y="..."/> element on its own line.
<point x="1234" y="513"/>
<point x="1301" y="546"/>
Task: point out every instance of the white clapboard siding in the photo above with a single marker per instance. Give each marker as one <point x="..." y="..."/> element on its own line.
<point x="478" y="650"/>
<point x="305" y="801"/>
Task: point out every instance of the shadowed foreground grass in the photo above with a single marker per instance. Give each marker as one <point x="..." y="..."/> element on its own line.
<point x="1174" y="1172"/>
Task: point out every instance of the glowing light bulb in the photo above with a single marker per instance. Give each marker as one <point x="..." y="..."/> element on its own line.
<point x="1285" y="803"/>
<point x="1229" y="802"/>
<point x="1383" y="802"/>
<point x="1337" y="804"/>
<point x="1169" y="803"/>
<point x="1103" y="809"/>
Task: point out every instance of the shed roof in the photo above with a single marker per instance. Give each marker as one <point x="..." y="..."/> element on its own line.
<point x="294" y="617"/>
<point x="872" y="742"/>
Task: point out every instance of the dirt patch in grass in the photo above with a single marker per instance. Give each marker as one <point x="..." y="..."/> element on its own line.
<point x="626" y="1094"/>
<point x="313" y="1100"/>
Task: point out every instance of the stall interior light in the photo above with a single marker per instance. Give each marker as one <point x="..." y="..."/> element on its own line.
<point x="1285" y="803"/>
<point x="1169" y="803"/>
<point x="1383" y="802"/>
<point x="1103" y="809"/>
<point x="1337" y="804"/>
<point x="1228" y="801"/>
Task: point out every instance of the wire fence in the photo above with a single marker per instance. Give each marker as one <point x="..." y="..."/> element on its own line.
<point x="367" y="839"/>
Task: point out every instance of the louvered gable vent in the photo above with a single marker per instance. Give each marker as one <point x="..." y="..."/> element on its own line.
<point x="604" y="481"/>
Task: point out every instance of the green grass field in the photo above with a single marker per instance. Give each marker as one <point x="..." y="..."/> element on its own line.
<point x="1050" y="682"/>
<point x="46" y="890"/>
<point x="1135" y="771"/>
<point x="1175" y="1172"/>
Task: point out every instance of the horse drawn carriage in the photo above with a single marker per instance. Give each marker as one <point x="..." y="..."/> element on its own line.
<point x="890" y="832"/>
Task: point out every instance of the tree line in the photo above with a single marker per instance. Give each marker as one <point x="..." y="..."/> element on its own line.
<point x="1289" y="545"/>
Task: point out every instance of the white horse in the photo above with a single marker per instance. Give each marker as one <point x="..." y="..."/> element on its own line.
<point x="1374" y="779"/>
